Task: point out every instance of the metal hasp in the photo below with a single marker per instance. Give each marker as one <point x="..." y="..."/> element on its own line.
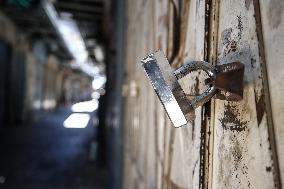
<point x="225" y="82"/>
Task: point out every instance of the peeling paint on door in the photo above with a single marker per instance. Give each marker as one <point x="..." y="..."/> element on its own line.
<point x="229" y="144"/>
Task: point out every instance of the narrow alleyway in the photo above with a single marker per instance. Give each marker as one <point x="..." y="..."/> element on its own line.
<point x="53" y="56"/>
<point x="47" y="155"/>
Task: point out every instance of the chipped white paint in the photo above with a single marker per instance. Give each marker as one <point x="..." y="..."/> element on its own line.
<point x="158" y="156"/>
<point x="186" y="157"/>
<point x="163" y="157"/>
<point x="272" y="16"/>
<point x="242" y="158"/>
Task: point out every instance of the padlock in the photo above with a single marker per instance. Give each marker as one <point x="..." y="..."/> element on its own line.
<point x="225" y="82"/>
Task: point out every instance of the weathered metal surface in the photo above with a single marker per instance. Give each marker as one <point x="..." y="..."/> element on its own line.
<point x="271" y="35"/>
<point x="242" y="155"/>
<point x="228" y="147"/>
<point x="190" y="66"/>
<point x="227" y="78"/>
<point x="186" y="164"/>
<point x="229" y="81"/>
<point x="152" y="147"/>
<point x="167" y="88"/>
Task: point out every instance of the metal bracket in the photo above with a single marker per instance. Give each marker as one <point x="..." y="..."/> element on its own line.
<point x="225" y="82"/>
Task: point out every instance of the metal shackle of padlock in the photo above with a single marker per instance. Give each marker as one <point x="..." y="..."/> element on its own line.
<point x="225" y="82"/>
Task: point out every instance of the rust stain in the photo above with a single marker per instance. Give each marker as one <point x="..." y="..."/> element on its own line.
<point x="227" y="42"/>
<point x="240" y="27"/>
<point x="226" y="36"/>
<point x="196" y="86"/>
<point x="230" y="121"/>
<point x="231" y="47"/>
<point x="274" y="13"/>
<point x="253" y="62"/>
<point x="202" y="153"/>
<point x="237" y="155"/>
<point x="192" y="130"/>
<point x="232" y="153"/>
<point x="268" y="169"/>
<point x="260" y="107"/>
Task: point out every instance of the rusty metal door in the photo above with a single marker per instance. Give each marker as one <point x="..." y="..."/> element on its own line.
<point x="243" y="151"/>
<point x="229" y="144"/>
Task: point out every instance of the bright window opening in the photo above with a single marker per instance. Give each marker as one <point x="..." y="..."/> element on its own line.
<point x="86" y="106"/>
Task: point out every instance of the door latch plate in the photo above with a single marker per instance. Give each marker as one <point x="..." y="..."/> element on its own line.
<point x="225" y="82"/>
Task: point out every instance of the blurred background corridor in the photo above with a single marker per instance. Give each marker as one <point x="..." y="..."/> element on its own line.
<point x="53" y="80"/>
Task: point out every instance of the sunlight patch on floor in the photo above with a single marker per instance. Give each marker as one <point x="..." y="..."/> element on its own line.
<point x="77" y="120"/>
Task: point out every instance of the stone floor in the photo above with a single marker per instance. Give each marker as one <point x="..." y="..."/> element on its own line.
<point x="46" y="155"/>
